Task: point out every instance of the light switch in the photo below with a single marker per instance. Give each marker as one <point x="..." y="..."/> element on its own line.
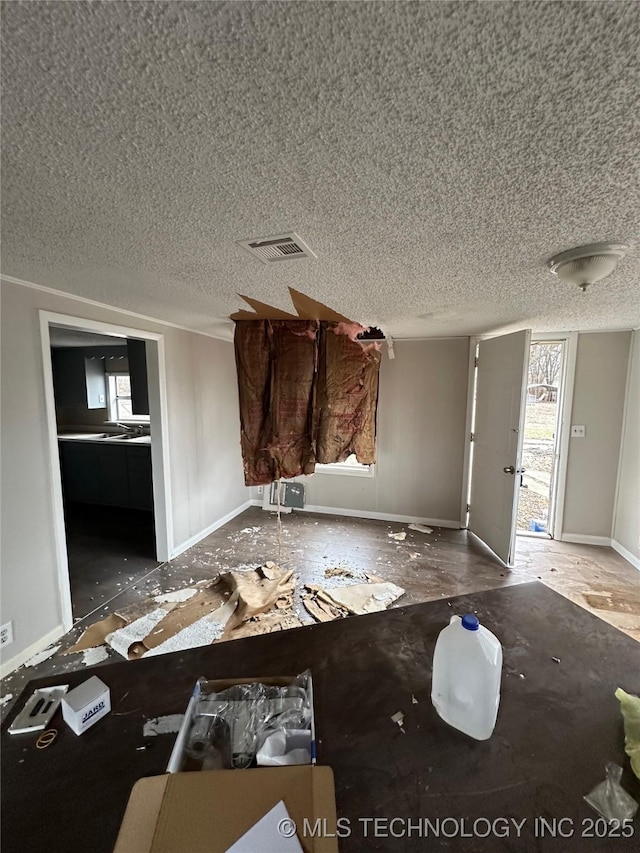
<point x="102" y="398"/>
<point x="578" y="431"/>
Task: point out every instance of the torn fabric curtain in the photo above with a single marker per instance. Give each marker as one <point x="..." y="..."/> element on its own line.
<point x="307" y="393"/>
<point x="276" y="361"/>
<point x="347" y="398"/>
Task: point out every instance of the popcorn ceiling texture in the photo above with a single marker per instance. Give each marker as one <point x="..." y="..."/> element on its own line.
<point x="433" y="155"/>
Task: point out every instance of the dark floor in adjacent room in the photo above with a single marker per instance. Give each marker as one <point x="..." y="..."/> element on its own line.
<point x="109" y="549"/>
<point x="441" y="564"/>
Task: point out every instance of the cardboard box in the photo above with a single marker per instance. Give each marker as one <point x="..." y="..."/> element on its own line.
<point x="178" y="761"/>
<point x="208" y="811"/>
<point x="86" y="704"/>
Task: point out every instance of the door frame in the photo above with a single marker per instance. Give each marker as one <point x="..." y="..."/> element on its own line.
<point x="570" y="340"/>
<point x="159" y="419"/>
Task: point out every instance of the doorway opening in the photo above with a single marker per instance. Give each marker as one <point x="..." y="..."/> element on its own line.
<point x="103" y="426"/>
<point x="541" y="445"/>
<point x="105" y="393"/>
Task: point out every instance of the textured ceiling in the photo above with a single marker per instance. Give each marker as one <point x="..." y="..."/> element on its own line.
<point x="433" y="155"/>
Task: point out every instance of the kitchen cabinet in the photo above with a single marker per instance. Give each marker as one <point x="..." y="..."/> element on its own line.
<point x="77" y="380"/>
<point x="108" y="474"/>
<point x="137" y="356"/>
<point x="139" y="477"/>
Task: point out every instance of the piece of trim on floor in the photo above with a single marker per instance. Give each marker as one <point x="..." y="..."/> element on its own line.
<point x="585" y="539"/>
<point x="180" y="549"/>
<point x="40" y="645"/>
<point x="376" y="516"/>
<point x="628" y="556"/>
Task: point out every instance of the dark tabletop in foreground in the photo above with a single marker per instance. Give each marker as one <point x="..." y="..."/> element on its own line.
<point x="559" y="724"/>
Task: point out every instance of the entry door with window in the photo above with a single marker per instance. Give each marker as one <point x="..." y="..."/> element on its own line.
<point x="498" y="436"/>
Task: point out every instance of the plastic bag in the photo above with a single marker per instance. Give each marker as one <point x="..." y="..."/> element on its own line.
<point x="229" y="726"/>
<point x="630" y="707"/>
<point x="610" y="799"/>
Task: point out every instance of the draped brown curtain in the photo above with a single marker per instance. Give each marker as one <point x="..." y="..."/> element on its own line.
<point x="307" y="395"/>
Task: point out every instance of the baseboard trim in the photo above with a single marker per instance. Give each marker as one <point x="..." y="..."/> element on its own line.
<point x="585" y="539"/>
<point x="628" y="556"/>
<point x="40" y="645"/>
<point x="198" y="537"/>
<point x="376" y="516"/>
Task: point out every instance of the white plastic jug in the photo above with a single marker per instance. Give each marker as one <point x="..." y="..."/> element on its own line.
<point x="465" y="686"/>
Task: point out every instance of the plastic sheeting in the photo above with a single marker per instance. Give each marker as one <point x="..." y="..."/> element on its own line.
<point x="308" y="393"/>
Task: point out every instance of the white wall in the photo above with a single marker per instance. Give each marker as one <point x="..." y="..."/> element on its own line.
<point x="598" y="403"/>
<point x="626" y="523"/>
<point x="421" y="438"/>
<point x="204" y="440"/>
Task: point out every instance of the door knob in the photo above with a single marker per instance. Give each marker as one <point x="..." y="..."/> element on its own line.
<point x="509" y="470"/>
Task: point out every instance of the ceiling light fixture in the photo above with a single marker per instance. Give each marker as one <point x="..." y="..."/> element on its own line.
<point x="587" y="264"/>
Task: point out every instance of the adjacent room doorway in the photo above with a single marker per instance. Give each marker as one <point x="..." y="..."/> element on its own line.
<point x="127" y="474"/>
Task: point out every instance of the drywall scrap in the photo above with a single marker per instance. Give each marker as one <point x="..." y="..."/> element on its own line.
<point x="421" y="528"/>
<point x="233" y="605"/>
<point x="328" y="603"/>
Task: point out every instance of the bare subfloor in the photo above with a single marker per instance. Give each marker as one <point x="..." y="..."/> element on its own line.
<point x="440" y="564"/>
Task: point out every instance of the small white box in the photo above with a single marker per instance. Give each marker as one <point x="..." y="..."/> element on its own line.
<point x="85" y="705"/>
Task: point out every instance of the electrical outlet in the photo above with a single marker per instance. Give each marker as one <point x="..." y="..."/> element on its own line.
<point x="6" y="634"/>
<point x="101" y="398"/>
<point x="260" y="489"/>
<point x="578" y="431"/>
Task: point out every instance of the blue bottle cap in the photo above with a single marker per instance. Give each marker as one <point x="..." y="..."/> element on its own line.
<point x="470" y="622"/>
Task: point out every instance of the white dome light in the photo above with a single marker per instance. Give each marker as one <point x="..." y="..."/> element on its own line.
<point x="587" y="264"/>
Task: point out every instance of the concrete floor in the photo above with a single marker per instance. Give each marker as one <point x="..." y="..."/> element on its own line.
<point x="442" y="564"/>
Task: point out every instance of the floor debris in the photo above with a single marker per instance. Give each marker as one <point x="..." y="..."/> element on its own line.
<point x="254" y="600"/>
<point x="338" y="572"/>
<point x="399" y="536"/>
<point x="163" y="725"/>
<point x="6" y="699"/>
<point x="90" y="657"/>
<point x="364" y="598"/>
<point x="178" y="595"/>
<point x="556" y="660"/>
<point x="398" y="719"/>
<point x="40" y="656"/>
<point x="96" y="633"/>
<point x="135" y="632"/>
<point x="200" y="633"/>
<point x="414" y="701"/>
<point x="421" y="528"/>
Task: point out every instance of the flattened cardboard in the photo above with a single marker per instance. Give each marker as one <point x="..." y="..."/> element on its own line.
<point x="310" y="309"/>
<point x="204" y="602"/>
<point x="256" y="595"/>
<point x="95" y="634"/>
<point x="208" y="811"/>
<point x="267" y="312"/>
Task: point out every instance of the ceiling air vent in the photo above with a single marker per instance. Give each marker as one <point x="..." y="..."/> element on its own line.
<point x="285" y="247"/>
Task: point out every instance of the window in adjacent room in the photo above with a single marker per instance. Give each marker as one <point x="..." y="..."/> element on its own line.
<point x="120" y="405"/>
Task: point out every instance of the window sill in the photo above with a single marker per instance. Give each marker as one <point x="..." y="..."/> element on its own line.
<point x="346" y="470"/>
<point x="140" y="419"/>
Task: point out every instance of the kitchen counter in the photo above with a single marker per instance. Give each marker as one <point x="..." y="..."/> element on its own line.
<point x="104" y="438"/>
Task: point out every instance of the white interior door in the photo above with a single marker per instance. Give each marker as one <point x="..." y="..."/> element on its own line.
<point x="498" y="435"/>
